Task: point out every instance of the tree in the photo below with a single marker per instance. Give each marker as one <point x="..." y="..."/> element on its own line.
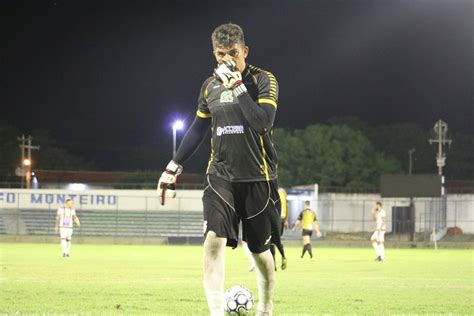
<point x="332" y="156"/>
<point x="459" y="158"/>
<point x="53" y="157"/>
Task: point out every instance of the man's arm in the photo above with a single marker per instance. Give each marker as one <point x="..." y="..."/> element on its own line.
<point x="259" y="116"/>
<point x="295" y="225"/>
<point x="190" y="143"/>
<point x="316" y="228"/>
<point x="192" y="139"/>
<point x="76" y="220"/>
<point x="56" y="225"/>
<point x="379" y="228"/>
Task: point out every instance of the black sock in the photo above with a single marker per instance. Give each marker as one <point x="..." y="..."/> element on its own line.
<point x="310" y="250"/>
<point x="304" y="250"/>
<point x="281" y="250"/>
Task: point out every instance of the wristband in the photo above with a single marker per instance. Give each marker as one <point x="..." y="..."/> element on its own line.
<point x="174" y="167"/>
<point x="239" y="90"/>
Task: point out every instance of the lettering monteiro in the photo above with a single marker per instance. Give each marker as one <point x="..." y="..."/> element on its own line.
<point x="83" y="199"/>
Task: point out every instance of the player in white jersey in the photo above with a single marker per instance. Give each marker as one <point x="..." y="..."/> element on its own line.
<point x="378" y="237"/>
<point x="65" y="219"/>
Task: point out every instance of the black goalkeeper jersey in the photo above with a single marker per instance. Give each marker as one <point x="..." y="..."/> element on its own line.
<point x="238" y="152"/>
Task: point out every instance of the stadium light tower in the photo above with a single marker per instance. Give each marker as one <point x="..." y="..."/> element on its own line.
<point x="441" y="130"/>
<point x="177" y="125"/>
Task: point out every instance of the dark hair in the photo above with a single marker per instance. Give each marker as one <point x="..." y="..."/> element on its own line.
<point x="307" y="202"/>
<point x="227" y="35"/>
<point x="379" y="203"/>
<point x="68" y="200"/>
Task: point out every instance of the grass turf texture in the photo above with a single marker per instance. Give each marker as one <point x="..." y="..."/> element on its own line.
<point x="167" y="280"/>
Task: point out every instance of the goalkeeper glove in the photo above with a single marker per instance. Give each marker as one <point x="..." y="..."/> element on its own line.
<point x="230" y="77"/>
<point x="167" y="180"/>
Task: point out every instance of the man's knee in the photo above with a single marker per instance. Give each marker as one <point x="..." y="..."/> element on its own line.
<point x="213" y="245"/>
<point x="256" y="248"/>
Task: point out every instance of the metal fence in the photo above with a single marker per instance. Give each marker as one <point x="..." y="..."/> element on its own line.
<point x="347" y="217"/>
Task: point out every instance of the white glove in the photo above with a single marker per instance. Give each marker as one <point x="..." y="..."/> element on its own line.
<point x="167" y="180"/>
<point x="228" y="75"/>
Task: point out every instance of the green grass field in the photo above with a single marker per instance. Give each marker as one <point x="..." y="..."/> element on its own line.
<point x="167" y="280"/>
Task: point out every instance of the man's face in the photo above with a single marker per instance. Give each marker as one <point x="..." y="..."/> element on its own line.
<point x="236" y="53"/>
<point x="69" y="204"/>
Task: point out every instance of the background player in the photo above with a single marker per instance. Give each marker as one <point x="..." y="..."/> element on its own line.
<point x="378" y="237"/>
<point x="65" y="219"/>
<point x="282" y="205"/>
<point x="309" y="221"/>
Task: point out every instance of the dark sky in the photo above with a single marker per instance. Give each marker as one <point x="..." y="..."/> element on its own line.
<point x="117" y="72"/>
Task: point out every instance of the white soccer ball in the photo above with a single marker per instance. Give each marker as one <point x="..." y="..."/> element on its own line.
<point x="238" y="300"/>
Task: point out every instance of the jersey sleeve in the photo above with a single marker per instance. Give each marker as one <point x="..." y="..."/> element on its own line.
<point x="315" y="219"/>
<point x="300" y="217"/>
<point x="73" y="212"/>
<point x="267" y="89"/>
<point x="382" y="213"/>
<point x="202" y="108"/>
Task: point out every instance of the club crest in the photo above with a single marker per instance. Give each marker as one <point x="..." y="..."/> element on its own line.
<point x="227" y="96"/>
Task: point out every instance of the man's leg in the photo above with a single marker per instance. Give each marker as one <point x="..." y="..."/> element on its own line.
<point x="64" y="246"/>
<point x="214" y="248"/>
<point x="381" y="250"/>
<point x="304" y="249"/>
<point x="284" y="261"/>
<point x="375" y="245"/>
<point x="310" y="251"/>
<point x="249" y="255"/>
<point x="306" y="245"/>
<point x="380" y="241"/>
<point x="272" y="251"/>
<point x="277" y="242"/>
<point x="265" y="282"/>
<point x="373" y="240"/>
<point x="68" y="246"/>
<point x="62" y="235"/>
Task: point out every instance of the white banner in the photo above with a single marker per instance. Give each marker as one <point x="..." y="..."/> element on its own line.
<point x="122" y="200"/>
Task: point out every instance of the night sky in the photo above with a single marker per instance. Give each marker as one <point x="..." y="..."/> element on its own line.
<point x="115" y="73"/>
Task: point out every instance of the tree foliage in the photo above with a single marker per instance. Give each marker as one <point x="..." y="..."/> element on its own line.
<point x="330" y="155"/>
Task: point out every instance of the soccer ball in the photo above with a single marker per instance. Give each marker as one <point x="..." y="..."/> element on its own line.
<point x="238" y="300"/>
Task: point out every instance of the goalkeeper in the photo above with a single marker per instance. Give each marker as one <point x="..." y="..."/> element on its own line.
<point x="238" y="104"/>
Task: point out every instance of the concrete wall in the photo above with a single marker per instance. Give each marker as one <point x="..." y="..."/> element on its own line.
<point x="129" y="200"/>
<point x="336" y="211"/>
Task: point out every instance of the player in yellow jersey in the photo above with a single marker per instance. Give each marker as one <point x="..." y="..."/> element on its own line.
<point x="309" y="222"/>
<point x="282" y="205"/>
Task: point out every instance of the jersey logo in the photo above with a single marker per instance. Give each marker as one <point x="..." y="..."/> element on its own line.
<point x="227" y="96"/>
<point x="268" y="240"/>
<point x="231" y="129"/>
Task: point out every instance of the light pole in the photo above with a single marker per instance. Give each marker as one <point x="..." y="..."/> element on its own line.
<point x="177" y="125"/>
<point x="410" y="160"/>
<point x="441" y="129"/>
<point x="27" y="164"/>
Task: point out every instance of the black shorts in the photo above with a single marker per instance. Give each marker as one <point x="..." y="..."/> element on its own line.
<point x="227" y="203"/>
<point x="307" y="232"/>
